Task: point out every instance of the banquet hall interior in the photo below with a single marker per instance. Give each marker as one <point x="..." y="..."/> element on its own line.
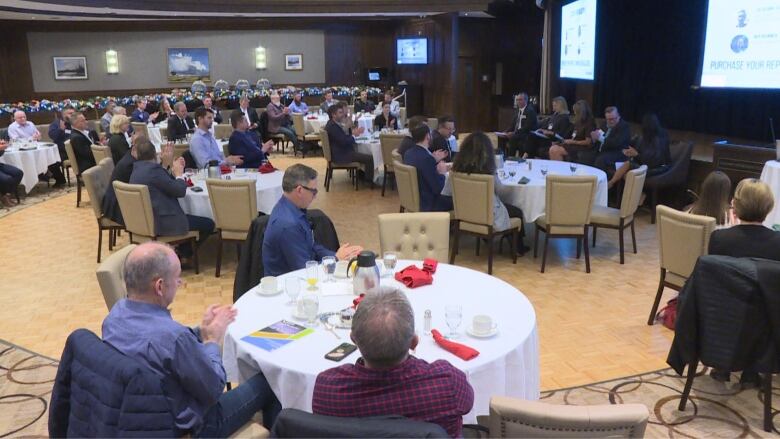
<point x="578" y="200"/>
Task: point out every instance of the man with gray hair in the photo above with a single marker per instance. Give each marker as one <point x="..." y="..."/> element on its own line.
<point x="181" y="123"/>
<point x="105" y="121"/>
<point x="21" y="128"/>
<point x="386" y="380"/>
<point x="188" y="359"/>
<point x="288" y="241"/>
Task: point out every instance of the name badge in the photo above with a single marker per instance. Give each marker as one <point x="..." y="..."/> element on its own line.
<point x="549" y="127"/>
<point x="574" y="134"/>
<point x="67" y="131"/>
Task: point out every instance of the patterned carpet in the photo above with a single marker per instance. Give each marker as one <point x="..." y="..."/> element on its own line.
<point x="40" y="193"/>
<point x="25" y="386"/>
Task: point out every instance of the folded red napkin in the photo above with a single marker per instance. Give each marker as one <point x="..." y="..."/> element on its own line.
<point x="413" y="277"/>
<point x="224" y="169"/>
<point x="189" y="182"/>
<point x="311" y="117"/>
<point x="266" y="168"/>
<point x="461" y="351"/>
<point x="430" y="264"/>
<point x="357" y="300"/>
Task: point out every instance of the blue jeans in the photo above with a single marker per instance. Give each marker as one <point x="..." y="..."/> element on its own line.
<point x="236" y="407"/>
<point x="290" y="134"/>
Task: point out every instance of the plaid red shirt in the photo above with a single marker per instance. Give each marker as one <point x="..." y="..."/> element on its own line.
<point x="435" y="392"/>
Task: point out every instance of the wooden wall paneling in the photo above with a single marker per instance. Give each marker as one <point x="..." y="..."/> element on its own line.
<point x="15" y="72"/>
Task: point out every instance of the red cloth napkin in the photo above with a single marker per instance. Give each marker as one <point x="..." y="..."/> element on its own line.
<point x="461" y="351"/>
<point x="189" y="182"/>
<point x="413" y="277"/>
<point x="266" y="168"/>
<point x="430" y="264"/>
<point x="224" y="169"/>
<point x="357" y="300"/>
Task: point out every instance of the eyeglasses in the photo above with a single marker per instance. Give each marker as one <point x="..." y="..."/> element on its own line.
<point x="312" y="190"/>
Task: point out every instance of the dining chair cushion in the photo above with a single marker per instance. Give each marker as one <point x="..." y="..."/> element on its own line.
<point x="111" y="276"/>
<point x="683" y="238"/>
<point x="415" y="235"/>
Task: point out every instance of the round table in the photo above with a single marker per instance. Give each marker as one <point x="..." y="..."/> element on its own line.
<point x="32" y="162"/>
<point x="371" y="146"/>
<point x="269" y="191"/>
<point x="508" y="363"/>
<point x="313" y="122"/>
<point x="771" y="176"/>
<point x="530" y="197"/>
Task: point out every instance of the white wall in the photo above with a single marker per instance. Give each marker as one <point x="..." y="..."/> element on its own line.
<point x="143" y="57"/>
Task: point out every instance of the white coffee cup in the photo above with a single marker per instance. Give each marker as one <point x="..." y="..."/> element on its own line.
<point x="268" y="285"/>
<point x="483" y="324"/>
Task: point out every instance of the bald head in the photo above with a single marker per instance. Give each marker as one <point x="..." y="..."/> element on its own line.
<point x="151" y="273"/>
<point x="20" y="117"/>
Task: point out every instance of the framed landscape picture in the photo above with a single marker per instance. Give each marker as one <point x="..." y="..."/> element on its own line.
<point x="188" y="65"/>
<point x="70" y="67"/>
<point x="293" y="61"/>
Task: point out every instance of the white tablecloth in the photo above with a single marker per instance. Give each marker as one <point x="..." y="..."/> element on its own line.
<point x="269" y="191"/>
<point x="155" y="136"/>
<point x="771" y="176"/>
<point x="530" y="197"/>
<point x="374" y="148"/>
<point x="32" y="162"/>
<point x="508" y="363"/>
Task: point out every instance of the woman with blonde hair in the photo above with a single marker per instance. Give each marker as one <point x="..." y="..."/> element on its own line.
<point x="555" y="126"/>
<point x="577" y="146"/>
<point x="119" y="142"/>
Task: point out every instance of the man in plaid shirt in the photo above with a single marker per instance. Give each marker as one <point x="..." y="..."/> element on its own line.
<point x="387" y="380"/>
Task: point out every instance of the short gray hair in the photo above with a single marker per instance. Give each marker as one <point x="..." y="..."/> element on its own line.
<point x="119" y="110"/>
<point x="297" y="175"/>
<point x="142" y="270"/>
<point x="383" y="327"/>
<point x="178" y="105"/>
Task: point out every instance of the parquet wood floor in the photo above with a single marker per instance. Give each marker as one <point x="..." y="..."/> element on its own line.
<point x="591" y="326"/>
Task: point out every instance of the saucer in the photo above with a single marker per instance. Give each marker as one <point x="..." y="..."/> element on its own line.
<point x="470" y="331"/>
<point x="260" y="291"/>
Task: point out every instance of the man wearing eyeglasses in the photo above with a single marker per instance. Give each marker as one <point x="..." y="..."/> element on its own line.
<point x="288" y="241"/>
<point x="611" y="143"/>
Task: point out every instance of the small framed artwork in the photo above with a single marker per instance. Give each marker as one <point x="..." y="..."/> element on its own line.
<point x="70" y="67"/>
<point x="188" y="65"/>
<point x="293" y="61"/>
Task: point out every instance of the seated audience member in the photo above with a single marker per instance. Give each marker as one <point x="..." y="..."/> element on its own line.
<point x="715" y="199"/>
<point x="395" y="107"/>
<point x="385" y="119"/>
<point x="363" y="105"/>
<point x="523" y="123"/>
<point x="120" y="141"/>
<point x="180" y="124"/>
<point x="204" y="146"/>
<point x="81" y="139"/>
<point x="328" y="101"/>
<point x="343" y="147"/>
<point x="208" y="104"/>
<point x="188" y="359"/>
<point x="280" y="121"/>
<point x="165" y="190"/>
<point x="443" y="137"/>
<point x="246" y="144"/>
<point x="557" y="124"/>
<point x="22" y="129"/>
<point x="123" y="169"/>
<point x="164" y="112"/>
<point x="60" y="130"/>
<point x="579" y="146"/>
<point x="431" y="170"/>
<point x="249" y="113"/>
<point x="297" y="106"/>
<point x="611" y="143"/>
<point x="288" y="242"/>
<point x="386" y="380"/>
<point x="140" y="114"/>
<point x="651" y="149"/>
<point x="407" y="143"/>
<point x="105" y="121"/>
<point x="10" y="177"/>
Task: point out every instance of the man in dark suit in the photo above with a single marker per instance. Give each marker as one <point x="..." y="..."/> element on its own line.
<point x="249" y="113"/>
<point x="181" y="124"/>
<point x="441" y="136"/>
<point x="343" y="147"/>
<point x="81" y="139"/>
<point x="209" y="105"/>
<point x="247" y="143"/>
<point x="610" y="144"/>
<point x="407" y="143"/>
<point x="165" y="190"/>
<point x="140" y="114"/>
<point x="363" y="105"/>
<point x="59" y="130"/>
<point x="523" y="123"/>
<point x="431" y="170"/>
<point x="123" y="169"/>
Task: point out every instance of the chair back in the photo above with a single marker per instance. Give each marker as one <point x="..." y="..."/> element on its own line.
<point x="510" y="417"/>
<point x="189" y="160"/>
<point x="96" y="180"/>
<point x="396" y="156"/>
<point x="433" y="123"/>
<point x="263" y="126"/>
<point x="298" y="125"/>
<point x="223" y="130"/>
<point x="94" y="125"/>
<point x="292" y="423"/>
<point x="140" y="128"/>
<point x="683" y="237"/>
<point x="111" y="276"/>
<point x="136" y="206"/>
<point x="325" y="142"/>
<point x="389" y="143"/>
<point x="179" y="148"/>
<point x="677" y="174"/>
<point x="569" y="200"/>
<point x="99" y="152"/>
<point x="472" y="195"/>
<point x="408" y="190"/>
<point x="415" y="235"/>
<point x="234" y="204"/>
<point x="632" y="191"/>
<point x="72" y="158"/>
<point x="225" y="149"/>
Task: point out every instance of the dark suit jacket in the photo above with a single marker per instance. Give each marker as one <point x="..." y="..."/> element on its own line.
<point x="653" y="154"/>
<point x="406" y="144"/>
<point x="746" y="241"/>
<point x="82" y="147"/>
<point x="561" y="125"/>
<point x="254" y="119"/>
<point x="123" y="169"/>
<point x="59" y="136"/>
<point x="217" y="114"/>
<point x="530" y="122"/>
<point x="380" y="122"/>
<point x="367" y="106"/>
<point x="342" y="145"/>
<point x="119" y="147"/>
<point x="619" y="138"/>
<point x="164" y="190"/>
<point x="248" y="145"/>
<point x="162" y="116"/>
<point x="429" y="181"/>
<point x="438" y="142"/>
<point x="177" y="130"/>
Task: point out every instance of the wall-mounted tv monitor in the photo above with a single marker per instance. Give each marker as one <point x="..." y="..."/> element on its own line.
<point x="376" y="74"/>
<point x="412" y="51"/>
<point x="578" y="39"/>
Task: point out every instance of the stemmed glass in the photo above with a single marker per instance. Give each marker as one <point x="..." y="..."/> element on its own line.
<point x="311" y="308"/>
<point x="292" y="286"/>
<point x="544" y="170"/>
<point x="312" y="274"/>
<point x="329" y="264"/>
<point x="453" y="314"/>
<point x="389" y="260"/>
<point x="573" y="167"/>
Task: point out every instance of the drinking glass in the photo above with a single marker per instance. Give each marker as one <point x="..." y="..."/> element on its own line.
<point x="292" y="286"/>
<point x="390" y="259"/>
<point x="190" y="172"/>
<point x="329" y="264"/>
<point x="453" y="314"/>
<point x="573" y="167"/>
<point x="543" y="169"/>
<point x="311" y="307"/>
<point x="312" y="274"/>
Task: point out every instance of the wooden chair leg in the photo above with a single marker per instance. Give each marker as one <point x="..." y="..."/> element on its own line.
<point x="78" y="191"/>
<point x="579" y="247"/>
<point x="594" y="235"/>
<point x="688" y="384"/>
<point x="633" y="235"/>
<point x="653" y="203"/>
<point x="100" y="242"/>
<point x="490" y="254"/>
<point x="657" y="300"/>
<point x="238" y="252"/>
<point x="478" y="241"/>
<point x="219" y="253"/>
<point x="544" y="253"/>
<point x="621" y="244"/>
<point x="513" y="250"/>
<point x="384" y="181"/>
<point x="455" y="242"/>
<point x="536" y="240"/>
<point x="111" y="239"/>
<point x="767" y="382"/>
<point x="195" y="256"/>
<point x="587" y="251"/>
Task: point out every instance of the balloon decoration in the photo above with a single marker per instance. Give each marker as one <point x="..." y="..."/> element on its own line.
<point x="199" y="87"/>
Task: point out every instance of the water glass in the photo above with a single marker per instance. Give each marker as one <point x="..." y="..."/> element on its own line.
<point x="543" y="169"/>
<point x="573" y="167"/>
<point x="311" y="308"/>
<point x="329" y="264"/>
<point x="312" y="274"/>
<point x="292" y="286"/>
<point x="453" y="314"/>
<point x="389" y="260"/>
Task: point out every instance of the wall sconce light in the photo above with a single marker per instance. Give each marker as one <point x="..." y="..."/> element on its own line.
<point x="112" y="62"/>
<point x="260" y="60"/>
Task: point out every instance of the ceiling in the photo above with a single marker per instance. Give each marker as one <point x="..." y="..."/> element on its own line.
<point x="91" y="10"/>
